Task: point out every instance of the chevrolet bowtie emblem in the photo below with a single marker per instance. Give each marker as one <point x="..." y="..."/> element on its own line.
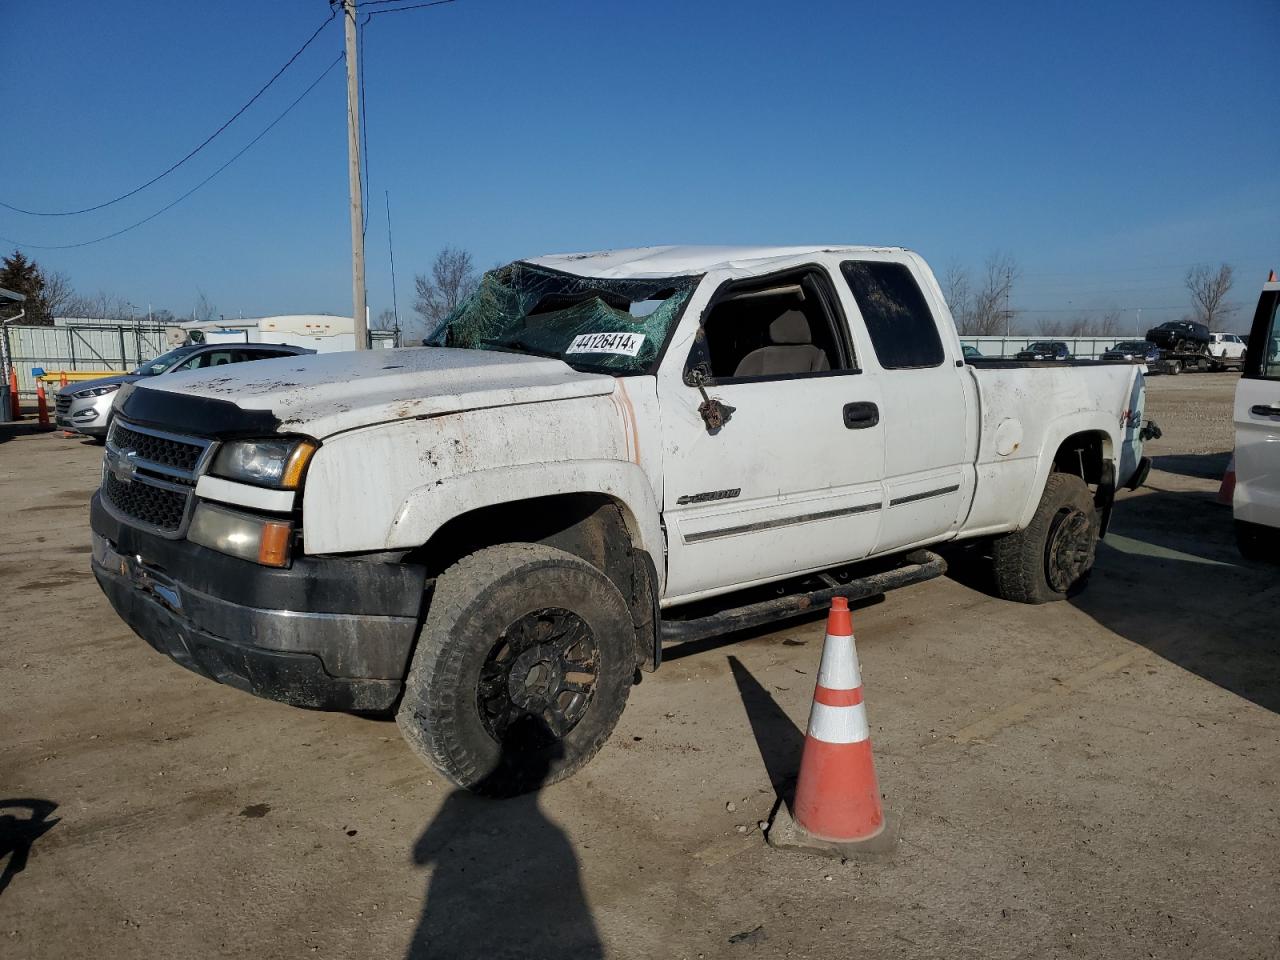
<point x="123" y="467"/>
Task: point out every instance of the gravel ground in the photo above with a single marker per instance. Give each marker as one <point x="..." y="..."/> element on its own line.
<point x="1096" y="778"/>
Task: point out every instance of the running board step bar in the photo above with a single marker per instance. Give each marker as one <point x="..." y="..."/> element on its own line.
<point x="916" y="567"/>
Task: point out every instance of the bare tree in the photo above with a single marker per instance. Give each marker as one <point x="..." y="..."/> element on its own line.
<point x="1209" y="289"/>
<point x="99" y="306"/>
<point x="990" y="313"/>
<point x="1051" y="327"/>
<point x="1109" y="324"/>
<point x="58" y="293"/>
<point x="957" y="289"/>
<point x="453" y="278"/>
<point x="982" y="311"/>
<point x="204" y="310"/>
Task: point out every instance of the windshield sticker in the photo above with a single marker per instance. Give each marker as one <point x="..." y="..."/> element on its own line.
<point x="626" y="344"/>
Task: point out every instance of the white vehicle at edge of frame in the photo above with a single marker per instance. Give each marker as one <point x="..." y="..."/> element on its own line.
<point x="1255" y="502"/>
<point x="494" y="534"/>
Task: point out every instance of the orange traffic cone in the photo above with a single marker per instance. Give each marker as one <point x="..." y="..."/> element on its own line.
<point x="42" y="407"/>
<point x="837" y="808"/>
<point x="63" y="380"/>
<point x="15" y="406"/>
<point x="1227" y="491"/>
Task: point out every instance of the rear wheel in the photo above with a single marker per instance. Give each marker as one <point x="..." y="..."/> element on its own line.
<point x="1053" y="555"/>
<point x="1258" y="543"/>
<point x="521" y="671"/>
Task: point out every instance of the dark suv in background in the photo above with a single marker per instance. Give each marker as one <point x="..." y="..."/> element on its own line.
<point x="1180" y="336"/>
<point x="1045" y="350"/>
<point x="1133" y="351"/>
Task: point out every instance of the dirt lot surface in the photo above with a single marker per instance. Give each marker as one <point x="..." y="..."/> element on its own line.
<point x="1096" y="778"/>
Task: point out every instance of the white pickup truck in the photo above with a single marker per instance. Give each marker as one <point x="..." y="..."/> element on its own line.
<point x="598" y="452"/>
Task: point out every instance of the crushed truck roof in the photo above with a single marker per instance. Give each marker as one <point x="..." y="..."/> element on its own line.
<point x="670" y="261"/>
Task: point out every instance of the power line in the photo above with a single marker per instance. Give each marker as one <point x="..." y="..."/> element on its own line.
<point x="208" y="140"/>
<point x="416" y="6"/>
<point x="171" y="205"/>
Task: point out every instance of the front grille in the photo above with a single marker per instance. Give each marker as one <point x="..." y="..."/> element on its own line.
<point x="61" y="404"/>
<point x="157" y="449"/>
<point x="149" y="477"/>
<point x="154" y="506"/>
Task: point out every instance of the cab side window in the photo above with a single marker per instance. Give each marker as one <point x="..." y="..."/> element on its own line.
<point x="1266" y="334"/>
<point x="208" y="358"/>
<point x="786" y="325"/>
<point x="899" y="322"/>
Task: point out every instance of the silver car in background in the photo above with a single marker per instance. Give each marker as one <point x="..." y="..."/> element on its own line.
<point x="85" y="407"/>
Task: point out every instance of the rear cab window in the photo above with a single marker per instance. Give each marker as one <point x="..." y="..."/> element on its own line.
<point x="904" y="334"/>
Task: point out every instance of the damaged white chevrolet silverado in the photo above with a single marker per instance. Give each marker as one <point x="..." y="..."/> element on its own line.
<point x="595" y="454"/>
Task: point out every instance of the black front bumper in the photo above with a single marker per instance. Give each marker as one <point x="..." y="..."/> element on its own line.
<point x="327" y="633"/>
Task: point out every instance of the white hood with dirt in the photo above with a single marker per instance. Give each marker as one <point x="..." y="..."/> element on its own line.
<point x="323" y="394"/>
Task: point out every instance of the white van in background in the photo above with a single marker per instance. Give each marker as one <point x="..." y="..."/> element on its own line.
<point x="1256" y="502"/>
<point x="315" y="331"/>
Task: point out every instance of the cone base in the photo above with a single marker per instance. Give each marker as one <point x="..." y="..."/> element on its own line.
<point x="785" y="834"/>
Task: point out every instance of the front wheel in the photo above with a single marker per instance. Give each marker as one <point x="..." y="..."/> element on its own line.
<point x="521" y="670"/>
<point x="1053" y="555"/>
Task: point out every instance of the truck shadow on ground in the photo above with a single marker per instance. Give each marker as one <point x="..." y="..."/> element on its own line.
<point x="1169" y="577"/>
<point x="1186" y="595"/>
<point x="1206" y="466"/>
<point x="18" y="834"/>
<point x="505" y="882"/>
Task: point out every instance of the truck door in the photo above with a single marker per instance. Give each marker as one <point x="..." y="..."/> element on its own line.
<point x="790" y="482"/>
<point x="1257" y="417"/>
<point x="928" y="474"/>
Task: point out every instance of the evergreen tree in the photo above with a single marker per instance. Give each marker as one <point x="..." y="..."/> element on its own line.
<point x="21" y="275"/>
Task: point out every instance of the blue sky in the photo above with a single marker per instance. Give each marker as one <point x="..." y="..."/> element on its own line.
<point x="1106" y="147"/>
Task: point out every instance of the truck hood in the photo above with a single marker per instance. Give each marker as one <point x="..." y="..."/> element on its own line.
<point x="326" y="393"/>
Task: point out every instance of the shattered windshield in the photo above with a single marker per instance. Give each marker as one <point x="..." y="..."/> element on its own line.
<point x="591" y="323"/>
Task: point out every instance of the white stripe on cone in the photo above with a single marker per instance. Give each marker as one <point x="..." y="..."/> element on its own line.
<point x="839" y="724"/>
<point x="839" y="669"/>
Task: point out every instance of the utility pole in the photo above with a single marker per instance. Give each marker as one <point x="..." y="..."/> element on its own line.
<point x="1008" y="316"/>
<point x="1137" y="329"/>
<point x="391" y="251"/>
<point x="359" y="313"/>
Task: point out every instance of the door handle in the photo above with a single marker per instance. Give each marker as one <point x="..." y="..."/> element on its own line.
<point x="859" y="416"/>
<point x="1265" y="410"/>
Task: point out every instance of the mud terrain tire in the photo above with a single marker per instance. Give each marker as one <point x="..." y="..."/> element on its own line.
<point x="492" y="670"/>
<point x="1052" y="557"/>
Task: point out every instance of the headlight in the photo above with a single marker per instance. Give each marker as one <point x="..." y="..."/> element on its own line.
<point x="241" y="535"/>
<point x="266" y="463"/>
<point x="96" y="391"/>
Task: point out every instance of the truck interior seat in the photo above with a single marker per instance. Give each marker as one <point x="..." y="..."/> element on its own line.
<point x="790" y="350"/>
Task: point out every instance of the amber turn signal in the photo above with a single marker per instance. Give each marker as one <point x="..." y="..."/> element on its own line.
<point x="297" y="464"/>
<point x="273" y="550"/>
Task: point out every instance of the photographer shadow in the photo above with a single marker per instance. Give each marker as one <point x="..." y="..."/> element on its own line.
<point x="505" y="883"/>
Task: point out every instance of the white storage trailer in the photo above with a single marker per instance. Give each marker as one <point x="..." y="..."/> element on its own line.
<point x="318" y="331"/>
